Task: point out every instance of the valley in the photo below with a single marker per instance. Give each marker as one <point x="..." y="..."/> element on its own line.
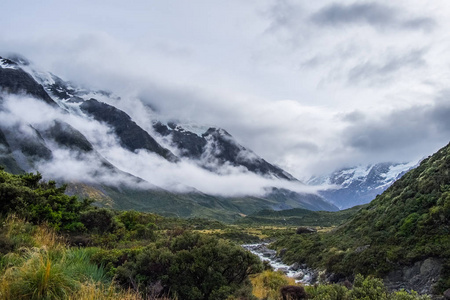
<point x="104" y="204"/>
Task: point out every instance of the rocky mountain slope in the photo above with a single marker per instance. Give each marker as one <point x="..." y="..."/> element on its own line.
<point x="79" y="136"/>
<point x="216" y="147"/>
<point x="402" y="235"/>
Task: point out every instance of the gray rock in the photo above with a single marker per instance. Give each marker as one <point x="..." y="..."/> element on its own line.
<point x="447" y="294"/>
<point x="299" y="276"/>
<point x="295" y="266"/>
<point x="419" y="277"/>
<point x="361" y="248"/>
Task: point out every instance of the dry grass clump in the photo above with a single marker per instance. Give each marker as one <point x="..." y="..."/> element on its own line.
<point x="37" y="275"/>
<point x="41" y="266"/>
<point x="97" y="291"/>
<point x="267" y="284"/>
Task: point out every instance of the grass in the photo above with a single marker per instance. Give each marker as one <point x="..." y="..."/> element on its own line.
<point x="96" y="291"/>
<point x="37" y="275"/>
<point x="267" y="284"/>
<point x="43" y="267"/>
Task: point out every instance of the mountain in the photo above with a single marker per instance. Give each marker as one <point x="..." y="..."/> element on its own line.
<point x="131" y="136"/>
<point x="79" y="136"/>
<point x="361" y="184"/>
<point x="216" y="147"/>
<point x="401" y="236"/>
<point x="14" y="79"/>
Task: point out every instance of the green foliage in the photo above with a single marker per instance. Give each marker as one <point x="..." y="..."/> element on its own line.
<point x="298" y="217"/>
<point x="368" y="288"/>
<point x="327" y="292"/>
<point x="38" y="276"/>
<point x="47" y="273"/>
<point x="238" y="235"/>
<point x="364" y="288"/>
<point x="99" y="220"/>
<point x="194" y="266"/>
<point x="38" y="201"/>
<point x="407" y="223"/>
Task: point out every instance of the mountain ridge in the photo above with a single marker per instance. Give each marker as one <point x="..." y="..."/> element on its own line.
<point x="360" y="184"/>
<point x="57" y="138"/>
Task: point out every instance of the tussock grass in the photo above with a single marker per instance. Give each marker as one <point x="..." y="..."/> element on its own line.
<point x="37" y="276"/>
<point x="42" y="266"/>
<point x="267" y="284"/>
<point x="97" y="291"/>
<point x="17" y="232"/>
<point x="44" y="236"/>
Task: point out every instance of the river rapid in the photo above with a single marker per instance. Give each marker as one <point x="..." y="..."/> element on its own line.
<point x="300" y="272"/>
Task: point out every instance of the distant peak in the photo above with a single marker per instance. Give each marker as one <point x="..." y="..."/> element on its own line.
<point x="6" y="63"/>
<point x="18" y="59"/>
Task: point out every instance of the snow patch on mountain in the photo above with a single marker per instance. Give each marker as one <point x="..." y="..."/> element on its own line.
<point x="359" y="185"/>
<point x="7" y="64"/>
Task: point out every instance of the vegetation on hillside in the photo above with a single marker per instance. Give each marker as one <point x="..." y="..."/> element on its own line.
<point x="409" y="222"/>
<point x="54" y="246"/>
<point x="298" y="217"/>
<point x="145" y="253"/>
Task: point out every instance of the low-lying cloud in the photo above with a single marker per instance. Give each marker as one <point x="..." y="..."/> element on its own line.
<point x="71" y="165"/>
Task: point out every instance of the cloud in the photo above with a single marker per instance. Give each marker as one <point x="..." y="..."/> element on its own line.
<point x="424" y="127"/>
<point x="376" y="15"/>
<point x="279" y="75"/>
<point x="282" y="14"/>
<point x="70" y="165"/>
<point x="373" y="72"/>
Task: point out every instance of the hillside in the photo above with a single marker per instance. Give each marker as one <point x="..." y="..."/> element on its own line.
<point x="58" y="248"/>
<point x="402" y="235"/>
<point x="299" y="217"/>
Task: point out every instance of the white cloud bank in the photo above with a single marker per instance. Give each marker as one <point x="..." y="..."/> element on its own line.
<point x="72" y="165"/>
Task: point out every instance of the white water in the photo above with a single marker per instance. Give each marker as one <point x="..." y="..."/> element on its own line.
<point x="301" y="274"/>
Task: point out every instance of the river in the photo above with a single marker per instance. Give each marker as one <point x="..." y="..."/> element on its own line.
<point x="301" y="273"/>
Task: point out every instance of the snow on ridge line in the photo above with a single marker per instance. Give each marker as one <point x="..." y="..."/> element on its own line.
<point x="5" y="65"/>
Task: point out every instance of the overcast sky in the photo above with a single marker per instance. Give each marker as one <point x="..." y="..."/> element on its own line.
<point x="308" y="85"/>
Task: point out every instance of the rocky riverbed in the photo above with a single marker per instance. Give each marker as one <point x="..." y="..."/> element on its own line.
<point x="300" y="272"/>
<point x="419" y="277"/>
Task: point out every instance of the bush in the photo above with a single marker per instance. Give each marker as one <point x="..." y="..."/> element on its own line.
<point x="40" y="202"/>
<point x="192" y="266"/>
<point x="98" y="220"/>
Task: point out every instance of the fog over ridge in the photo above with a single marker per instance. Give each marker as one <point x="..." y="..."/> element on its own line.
<point x="74" y="166"/>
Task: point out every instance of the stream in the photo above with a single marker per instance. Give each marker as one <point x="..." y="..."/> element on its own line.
<point x="301" y="273"/>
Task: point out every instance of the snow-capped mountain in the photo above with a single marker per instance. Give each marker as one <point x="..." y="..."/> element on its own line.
<point x="89" y="139"/>
<point x="360" y="184"/>
<point x="215" y="147"/>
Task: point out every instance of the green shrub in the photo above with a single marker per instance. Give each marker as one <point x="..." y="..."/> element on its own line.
<point x="194" y="266"/>
<point x="98" y="220"/>
<point x="368" y="288"/>
<point x="328" y="292"/>
<point x="40" y="202"/>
